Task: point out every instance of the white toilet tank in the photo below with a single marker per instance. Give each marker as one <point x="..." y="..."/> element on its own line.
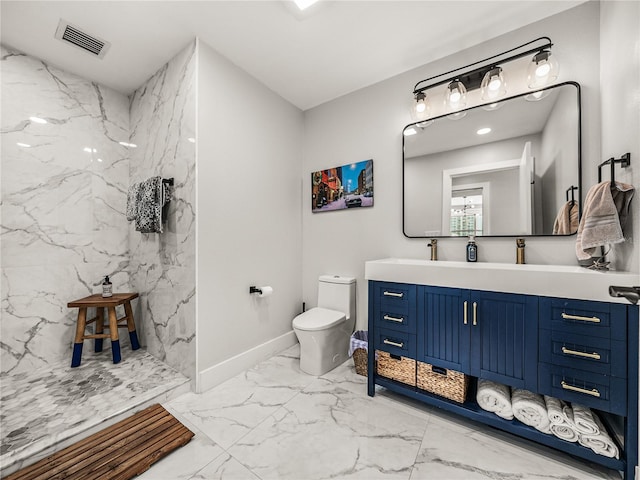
<point x="338" y="293"/>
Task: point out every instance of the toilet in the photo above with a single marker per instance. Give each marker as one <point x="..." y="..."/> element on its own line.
<point x="324" y="331"/>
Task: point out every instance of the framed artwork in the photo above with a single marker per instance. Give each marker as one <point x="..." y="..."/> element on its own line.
<point x="347" y="186"/>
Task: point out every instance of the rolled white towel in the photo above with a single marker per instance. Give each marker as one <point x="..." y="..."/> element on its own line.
<point x="494" y="397"/>
<point x="564" y="431"/>
<point x="530" y="409"/>
<point x="584" y="420"/>
<point x="601" y="443"/>
<point x="554" y="410"/>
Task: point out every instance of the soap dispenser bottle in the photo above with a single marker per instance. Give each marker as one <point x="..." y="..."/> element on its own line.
<point x="107" y="287"/>
<point x="472" y="250"/>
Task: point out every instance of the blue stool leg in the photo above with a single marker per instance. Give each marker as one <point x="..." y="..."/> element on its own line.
<point x="79" y="339"/>
<point x="115" y="350"/>
<point x="99" y="328"/>
<point x="77" y="355"/>
<point x="133" y="337"/>
<point x="113" y="331"/>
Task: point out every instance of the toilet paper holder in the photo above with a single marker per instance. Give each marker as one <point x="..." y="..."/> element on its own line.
<point x="254" y="289"/>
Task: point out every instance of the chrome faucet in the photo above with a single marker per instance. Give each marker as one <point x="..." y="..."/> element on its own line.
<point x="434" y="249"/>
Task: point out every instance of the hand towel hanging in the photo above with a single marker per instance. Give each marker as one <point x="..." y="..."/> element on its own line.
<point x="150" y="202"/>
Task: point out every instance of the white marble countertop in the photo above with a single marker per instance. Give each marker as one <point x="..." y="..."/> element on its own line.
<point x="545" y="280"/>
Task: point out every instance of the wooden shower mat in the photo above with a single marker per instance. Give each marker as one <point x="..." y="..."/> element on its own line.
<point x="119" y="452"/>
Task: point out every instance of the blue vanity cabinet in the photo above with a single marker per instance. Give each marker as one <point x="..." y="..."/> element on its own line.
<point x="444" y="334"/>
<point x="504" y="338"/>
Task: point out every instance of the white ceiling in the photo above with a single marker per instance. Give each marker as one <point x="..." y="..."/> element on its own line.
<point x="308" y="58"/>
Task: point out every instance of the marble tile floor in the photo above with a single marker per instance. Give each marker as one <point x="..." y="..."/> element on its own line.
<point x="48" y="409"/>
<point x="275" y="422"/>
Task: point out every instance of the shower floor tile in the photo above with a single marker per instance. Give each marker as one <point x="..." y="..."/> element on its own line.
<point x="44" y="408"/>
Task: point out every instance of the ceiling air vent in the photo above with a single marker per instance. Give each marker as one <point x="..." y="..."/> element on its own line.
<point x="73" y="35"/>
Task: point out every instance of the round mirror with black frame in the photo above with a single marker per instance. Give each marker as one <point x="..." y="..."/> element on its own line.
<point x="510" y="168"/>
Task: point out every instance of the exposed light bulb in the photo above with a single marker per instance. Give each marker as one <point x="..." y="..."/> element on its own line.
<point x="456" y="96"/>
<point x="543" y="69"/>
<point x="493" y="85"/>
<point x="420" y="108"/>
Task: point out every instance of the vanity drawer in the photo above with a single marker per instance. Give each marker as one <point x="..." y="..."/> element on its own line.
<point x="397" y="343"/>
<point x="593" y="354"/>
<point x="401" y="322"/>
<point x="397" y="298"/>
<point x="586" y="388"/>
<point x="583" y="317"/>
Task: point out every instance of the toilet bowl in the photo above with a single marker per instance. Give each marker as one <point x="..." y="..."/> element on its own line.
<point x="324" y="331"/>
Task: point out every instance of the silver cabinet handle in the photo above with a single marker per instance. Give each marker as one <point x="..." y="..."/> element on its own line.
<point x="475" y="313"/>
<point x="393" y="294"/>
<point x="395" y="344"/>
<point x="594" y="392"/>
<point x="566" y="316"/>
<point x="594" y="355"/>
<point x="393" y="319"/>
<point x="464" y="313"/>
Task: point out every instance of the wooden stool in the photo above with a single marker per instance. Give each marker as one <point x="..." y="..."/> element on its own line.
<point x="100" y="303"/>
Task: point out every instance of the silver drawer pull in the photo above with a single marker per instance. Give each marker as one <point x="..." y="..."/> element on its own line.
<point x="566" y="316"/>
<point x="394" y="319"/>
<point x="594" y="392"/>
<point x="395" y="344"/>
<point x="393" y="294"/>
<point x="594" y="355"/>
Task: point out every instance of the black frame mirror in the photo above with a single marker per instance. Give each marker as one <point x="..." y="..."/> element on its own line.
<point x="447" y="167"/>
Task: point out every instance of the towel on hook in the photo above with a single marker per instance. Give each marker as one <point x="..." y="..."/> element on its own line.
<point x="150" y="203"/>
<point x="566" y="222"/>
<point x="530" y="409"/>
<point x="132" y="201"/>
<point x="600" y="224"/>
<point x="494" y="397"/>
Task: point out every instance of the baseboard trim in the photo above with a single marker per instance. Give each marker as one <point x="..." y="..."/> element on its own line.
<point x="227" y="369"/>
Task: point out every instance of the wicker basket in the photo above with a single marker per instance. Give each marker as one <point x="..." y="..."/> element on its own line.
<point x="360" y="361"/>
<point x="400" y="369"/>
<point x="441" y="381"/>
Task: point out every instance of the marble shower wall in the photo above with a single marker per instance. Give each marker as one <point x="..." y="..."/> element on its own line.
<point x="162" y="265"/>
<point x="63" y="223"/>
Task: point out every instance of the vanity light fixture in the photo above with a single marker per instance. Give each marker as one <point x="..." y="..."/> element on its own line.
<point x="489" y="76"/>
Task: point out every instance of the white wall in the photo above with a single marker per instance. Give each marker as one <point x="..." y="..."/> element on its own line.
<point x="620" y="105"/>
<point x="249" y="220"/>
<point x="368" y="124"/>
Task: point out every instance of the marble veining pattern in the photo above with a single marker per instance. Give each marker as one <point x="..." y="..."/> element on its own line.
<point x="63" y="200"/>
<point x="267" y="423"/>
<point x="46" y="406"/>
<point x="162" y="266"/>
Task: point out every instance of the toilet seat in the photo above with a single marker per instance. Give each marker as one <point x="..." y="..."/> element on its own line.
<point x="318" y="319"/>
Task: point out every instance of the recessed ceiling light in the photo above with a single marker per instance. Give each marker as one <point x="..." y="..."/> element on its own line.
<point x="302" y="4"/>
<point x="37" y="120"/>
<point x="483" y="131"/>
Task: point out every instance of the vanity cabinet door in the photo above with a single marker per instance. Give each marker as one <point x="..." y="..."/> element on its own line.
<point x="504" y="338"/>
<point x="444" y="327"/>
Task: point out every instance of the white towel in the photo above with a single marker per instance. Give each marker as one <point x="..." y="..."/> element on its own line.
<point x="602" y="443"/>
<point x="560" y="415"/>
<point x="584" y="420"/>
<point x="530" y="409"/>
<point x="564" y="432"/>
<point x="494" y="397"/>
